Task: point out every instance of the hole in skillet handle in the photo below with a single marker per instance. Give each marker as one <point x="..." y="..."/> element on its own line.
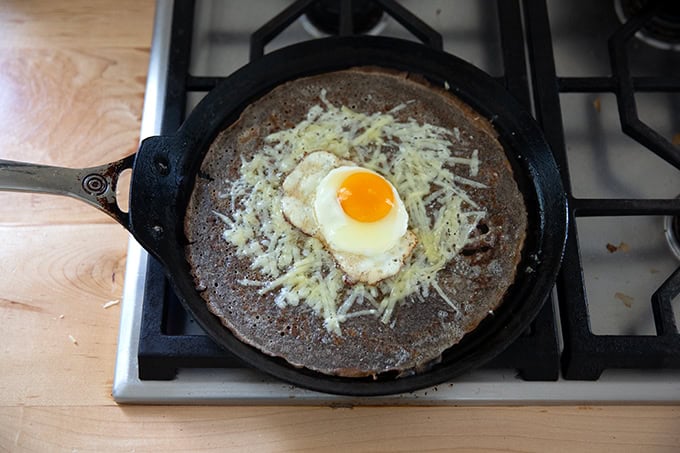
<point x="122" y="190"/>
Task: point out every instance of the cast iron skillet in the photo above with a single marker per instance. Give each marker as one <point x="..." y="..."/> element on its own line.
<point x="165" y="167"/>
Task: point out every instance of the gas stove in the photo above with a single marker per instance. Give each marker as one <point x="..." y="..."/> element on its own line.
<point x="588" y="71"/>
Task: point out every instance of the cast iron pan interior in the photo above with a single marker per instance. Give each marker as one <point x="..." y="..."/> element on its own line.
<point x="165" y="169"/>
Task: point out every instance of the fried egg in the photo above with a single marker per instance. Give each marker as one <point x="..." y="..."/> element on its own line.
<point x="354" y="211"/>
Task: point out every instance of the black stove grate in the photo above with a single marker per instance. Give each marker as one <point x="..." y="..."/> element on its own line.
<point x="164" y="347"/>
<point x="586" y="355"/>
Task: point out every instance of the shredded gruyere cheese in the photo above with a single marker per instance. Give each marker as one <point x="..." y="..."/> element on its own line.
<point x="420" y="164"/>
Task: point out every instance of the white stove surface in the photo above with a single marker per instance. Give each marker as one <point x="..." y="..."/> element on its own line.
<point x="604" y="163"/>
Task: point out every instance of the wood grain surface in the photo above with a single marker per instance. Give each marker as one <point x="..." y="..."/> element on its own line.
<point x="72" y="77"/>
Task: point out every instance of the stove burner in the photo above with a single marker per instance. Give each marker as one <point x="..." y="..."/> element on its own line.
<point x="323" y="18"/>
<point x="663" y="30"/>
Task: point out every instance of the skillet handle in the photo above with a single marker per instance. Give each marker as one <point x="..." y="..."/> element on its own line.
<point x="95" y="185"/>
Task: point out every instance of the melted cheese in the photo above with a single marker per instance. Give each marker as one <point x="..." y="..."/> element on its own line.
<point x="421" y="166"/>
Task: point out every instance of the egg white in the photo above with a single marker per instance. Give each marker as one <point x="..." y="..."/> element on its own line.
<point x="366" y="252"/>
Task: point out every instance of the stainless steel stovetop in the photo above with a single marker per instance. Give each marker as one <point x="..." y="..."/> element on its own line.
<point x="624" y="260"/>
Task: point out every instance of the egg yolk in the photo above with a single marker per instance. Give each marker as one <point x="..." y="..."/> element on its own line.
<point x="365" y="197"/>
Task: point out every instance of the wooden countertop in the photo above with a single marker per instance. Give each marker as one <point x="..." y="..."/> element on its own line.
<point x="72" y="77"/>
